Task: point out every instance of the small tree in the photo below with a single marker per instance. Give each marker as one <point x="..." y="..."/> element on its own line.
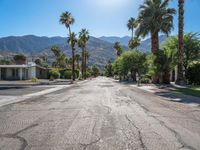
<point x="95" y="71"/>
<point x="117" y="48"/>
<point x="20" y="59"/>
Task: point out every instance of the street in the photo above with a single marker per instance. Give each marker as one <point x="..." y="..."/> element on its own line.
<point x="100" y="114"/>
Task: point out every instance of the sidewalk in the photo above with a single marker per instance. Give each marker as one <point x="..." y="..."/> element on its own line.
<point x="29" y="83"/>
<point x="169" y="93"/>
<point x="7" y="99"/>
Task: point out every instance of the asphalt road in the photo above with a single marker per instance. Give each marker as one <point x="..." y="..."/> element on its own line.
<point x="100" y="114"/>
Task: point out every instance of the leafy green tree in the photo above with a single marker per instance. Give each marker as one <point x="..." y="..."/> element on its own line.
<point x="95" y="71"/>
<point x="72" y="40"/>
<point x="193" y="75"/>
<point x="117" y="48"/>
<point x="155" y="17"/>
<point x="109" y="69"/>
<point x="20" y="59"/>
<point x="38" y="61"/>
<point x="67" y="20"/>
<point x="191" y="48"/>
<point x="82" y="42"/>
<point x="130" y="61"/>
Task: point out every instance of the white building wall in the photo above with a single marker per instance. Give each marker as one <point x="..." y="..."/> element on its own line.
<point x="31" y="72"/>
<point x="9" y="73"/>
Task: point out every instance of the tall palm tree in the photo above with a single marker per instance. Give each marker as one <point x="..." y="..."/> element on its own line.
<point x="83" y="39"/>
<point x="155" y="17"/>
<point x="180" y="78"/>
<point x="117" y="48"/>
<point x="132" y="24"/>
<point x="87" y="56"/>
<point x="67" y="20"/>
<point x="77" y="58"/>
<point x="72" y="40"/>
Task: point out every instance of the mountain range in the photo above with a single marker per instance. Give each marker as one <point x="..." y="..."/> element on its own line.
<point x="100" y="49"/>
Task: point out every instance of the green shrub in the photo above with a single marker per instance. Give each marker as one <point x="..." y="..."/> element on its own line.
<point x="193" y="74"/>
<point x="62" y="73"/>
<point x="54" y="74"/>
<point x="145" y="80"/>
<point x="76" y="73"/>
<point x="88" y="74"/>
<point x="68" y="74"/>
<point x="34" y="79"/>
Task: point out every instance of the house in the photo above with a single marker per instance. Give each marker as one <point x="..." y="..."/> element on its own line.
<point x="23" y="72"/>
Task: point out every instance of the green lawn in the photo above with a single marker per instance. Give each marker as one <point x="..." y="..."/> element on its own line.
<point x="189" y="91"/>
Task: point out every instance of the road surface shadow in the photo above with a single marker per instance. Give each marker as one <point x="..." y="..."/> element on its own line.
<point x="178" y="97"/>
<point x="169" y="94"/>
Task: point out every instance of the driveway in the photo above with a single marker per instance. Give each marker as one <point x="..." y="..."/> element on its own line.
<point x="100" y="114"/>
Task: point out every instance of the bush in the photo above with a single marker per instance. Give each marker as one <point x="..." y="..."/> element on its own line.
<point x="145" y="80"/>
<point x="68" y="74"/>
<point x="54" y="74"/>
<point x="34" y="79"/>
<point x="193" y="74"/>
<point x="76" y="73"/>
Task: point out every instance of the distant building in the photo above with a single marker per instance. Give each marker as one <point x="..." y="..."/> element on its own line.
<point x="23" y="72"/>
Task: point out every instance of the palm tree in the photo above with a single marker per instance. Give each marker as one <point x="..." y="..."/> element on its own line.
<point x="83" y="39"/>
<point x="117" y="48"/>
<point x="134" y="43"/>
<point x="77" y="58"/>
<point x="180" y="77"/>
<point x="87" y="56"/>
<point x="155" y="17"/>
<point x="72" y="40"/>
<point x="132" y="24"/>
<point x="67" y="20"/>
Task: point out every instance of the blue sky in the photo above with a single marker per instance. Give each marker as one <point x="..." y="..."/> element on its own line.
<point x="101" y="17"/>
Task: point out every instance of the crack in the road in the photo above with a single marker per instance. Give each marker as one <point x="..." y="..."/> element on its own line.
<point x="15" y="135"/>
<point x="139" y="133"/>
<point x="178" y="137"/>
<point x="89" y="144"/>
<point x="109" y="109"/>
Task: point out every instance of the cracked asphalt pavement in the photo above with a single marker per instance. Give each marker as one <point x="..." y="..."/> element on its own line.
<point x="101" y="114"/>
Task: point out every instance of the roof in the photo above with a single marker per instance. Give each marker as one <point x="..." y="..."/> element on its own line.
<point x="14" y="66"/>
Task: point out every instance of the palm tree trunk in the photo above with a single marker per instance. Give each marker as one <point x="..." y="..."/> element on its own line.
<point x="73" y="64"/>
<point x="154" y="43"/>
<point x="85" y="65"/>
<point x="69" y="30"/>
<point x="132" y="34"/>
<point x="82" y="63"/>
<point x="73" y="59"/>
<point x="180" y="78"/>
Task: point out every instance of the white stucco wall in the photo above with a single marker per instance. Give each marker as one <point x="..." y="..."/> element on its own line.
<point x="31" y="72"/>
<point x="9" y="73"/>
